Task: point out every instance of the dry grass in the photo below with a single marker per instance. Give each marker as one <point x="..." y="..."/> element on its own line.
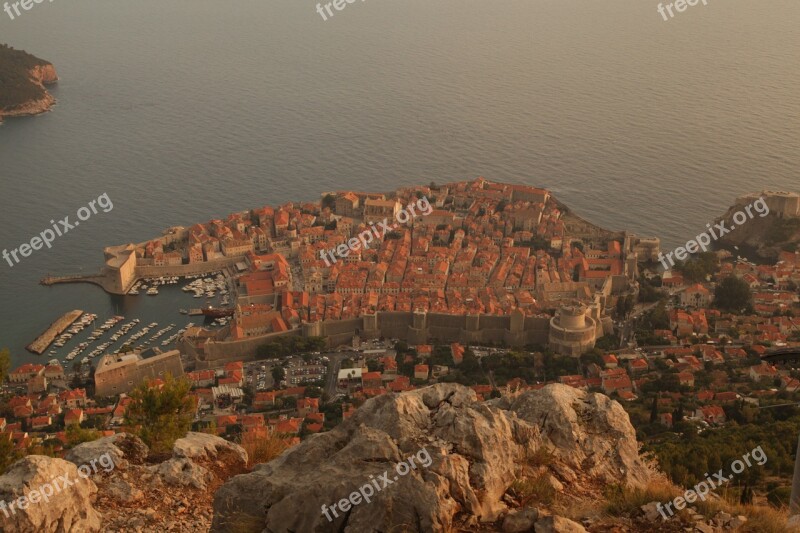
<point x="627" y="501"/>
<point x="262" y="450"/>
<point x="543" y="456"/>
<point x="760" y="519"/>
<point x="534" y="490"/>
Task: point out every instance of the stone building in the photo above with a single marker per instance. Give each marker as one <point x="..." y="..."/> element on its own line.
<point x="780" y="203"/>
<point x="122" y="373"/>
<point x="572" y="331"/>
<point x="120" y="267"/>
<point x="377" y="210"/>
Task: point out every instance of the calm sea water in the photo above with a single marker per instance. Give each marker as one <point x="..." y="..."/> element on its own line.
<point x="186" y="110"/>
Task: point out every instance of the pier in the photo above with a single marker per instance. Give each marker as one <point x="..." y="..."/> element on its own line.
<point x="97" y="278"/>
<point x="44" y="340"/>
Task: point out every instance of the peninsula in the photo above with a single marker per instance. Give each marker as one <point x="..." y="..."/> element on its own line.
<point x="23" y="78"/>
<point x="479" y="262"/>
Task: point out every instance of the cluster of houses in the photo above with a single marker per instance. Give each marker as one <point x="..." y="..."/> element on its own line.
<point x="287" y="412"/>
<point x="37" y="416"/>
<point x="481" y="247"/>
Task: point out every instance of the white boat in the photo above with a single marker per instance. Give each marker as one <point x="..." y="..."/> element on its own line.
<point x="152" y="291"/>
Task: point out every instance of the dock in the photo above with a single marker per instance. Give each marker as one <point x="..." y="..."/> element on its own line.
<point x="44" y="340"/>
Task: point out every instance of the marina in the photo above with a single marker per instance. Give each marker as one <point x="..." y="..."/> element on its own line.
<point x="84" y="336"/>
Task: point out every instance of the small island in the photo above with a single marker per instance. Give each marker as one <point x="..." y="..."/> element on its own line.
<point x="23" y="78"/>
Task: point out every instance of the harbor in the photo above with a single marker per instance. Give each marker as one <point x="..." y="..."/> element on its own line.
<point x="153" y="315"/>
<point x="44" y="340"/>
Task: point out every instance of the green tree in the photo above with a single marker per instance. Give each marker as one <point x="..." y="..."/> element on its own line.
<point x="5" y="364"/>
<point x="160" y="416"/>
<point x="654" y="410"/>
<point x="678" y="414"/>
<point x="278" y="374"/>
<point x="8" y="455"/>
<point x="77" y="435"/>
<point x="733" y="295"/>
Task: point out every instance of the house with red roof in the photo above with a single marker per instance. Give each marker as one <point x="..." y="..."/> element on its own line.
<point x="610" y="360"/>
<point x="371" y="380"/>
<point x="25" y="372"/>
<point x="626" y="396"/>
<point x="696" y="296"/>
<point x="638" y="366"/>
<point x="400" y="384"/>
<point x="264" y="400"/>
<point x="727" y="397"/>
<point x="617" y="384"/>
<point x="577" y="381"/>
<point x="686" y="378"/>
<point x="287" y="427"/>
<point x="73" y="416"/>
<point x="73" y="398"/>
<point x="712" y="414"/>
<point x="40" y="422"/>
<point x="202" y="378"/>
<point x="705" y="396"/>
<point x="315" y="417"/>
<point x="23" y="411"/>
<point x="306" y="406"/>
<point x="234" y="378"/>
<point x="763" y="371"/>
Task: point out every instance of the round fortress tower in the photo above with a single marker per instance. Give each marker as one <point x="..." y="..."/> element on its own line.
<point x="572" y="331"/>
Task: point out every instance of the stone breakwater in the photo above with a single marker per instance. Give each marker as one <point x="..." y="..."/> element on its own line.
<point x="42" y="75"/>
<point x="56" y="328"/>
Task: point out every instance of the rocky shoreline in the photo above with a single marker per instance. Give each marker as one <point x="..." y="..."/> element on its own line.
<point x="42" y="75"/>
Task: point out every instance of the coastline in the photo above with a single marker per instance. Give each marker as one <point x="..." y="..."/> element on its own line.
<point x="117" y="256"/>
<point x="42" y="75"/>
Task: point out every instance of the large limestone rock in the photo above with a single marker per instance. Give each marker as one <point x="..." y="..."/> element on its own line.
<point x="68" y="508"/>
<point x="202" y="446"/>
<point x="191" y="452"/>
<point x="123" y="449"/>
<point x="182" y="472"/>
<point x="588" y="432"/>
<point x="471" y="453"/>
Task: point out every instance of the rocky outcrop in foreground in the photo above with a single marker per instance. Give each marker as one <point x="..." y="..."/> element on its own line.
<point x="63" y="510"/>
<point x="126" y="493"/>
<point x="467" y="456"/>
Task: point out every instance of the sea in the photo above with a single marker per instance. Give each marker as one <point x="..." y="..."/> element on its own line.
<point x="188" y="110"/>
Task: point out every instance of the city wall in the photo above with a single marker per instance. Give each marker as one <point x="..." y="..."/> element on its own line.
<point x="185" y="270"/>
<point x="412" y="327"/>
